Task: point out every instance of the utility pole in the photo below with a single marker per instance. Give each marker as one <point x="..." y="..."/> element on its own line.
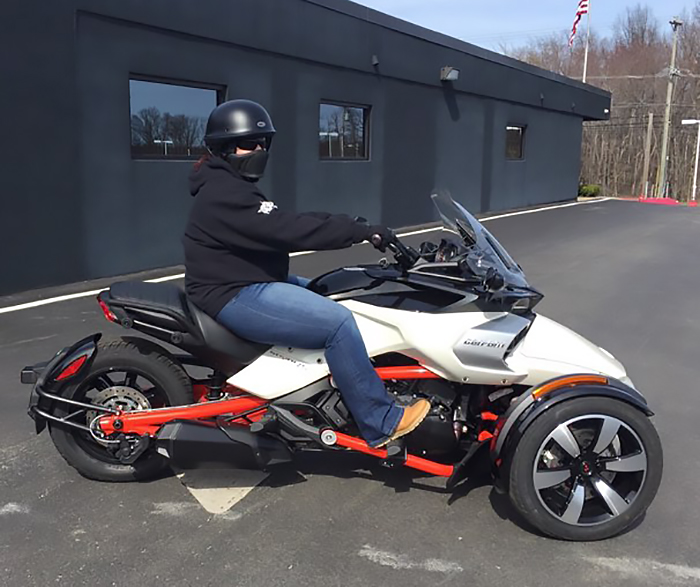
<point x="676" y="23"/>
<point x="647" y="154"/>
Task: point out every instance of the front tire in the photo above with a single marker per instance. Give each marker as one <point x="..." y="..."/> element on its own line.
<point x="132" y="374"/>
<point x="587" y="469"/>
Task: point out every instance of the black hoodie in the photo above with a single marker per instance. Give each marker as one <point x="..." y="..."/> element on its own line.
<point x="235" y="236"/>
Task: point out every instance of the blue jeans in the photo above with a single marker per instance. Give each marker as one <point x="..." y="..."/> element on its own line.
<point x="287" y="314"/>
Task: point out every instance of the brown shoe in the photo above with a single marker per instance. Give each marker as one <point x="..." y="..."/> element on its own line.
<point x="411" y="419"/>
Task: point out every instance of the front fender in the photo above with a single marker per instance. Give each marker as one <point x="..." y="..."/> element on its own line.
<point x="550" y="349"/>
<point x="531" y="405"/>
<point x="47" y="380"/>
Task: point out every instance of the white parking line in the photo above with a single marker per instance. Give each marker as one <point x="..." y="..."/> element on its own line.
<point x="649" y="572"/>
<point x="94" y="292"/>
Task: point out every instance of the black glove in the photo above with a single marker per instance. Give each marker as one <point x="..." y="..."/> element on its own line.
<point x="380" y="236"/>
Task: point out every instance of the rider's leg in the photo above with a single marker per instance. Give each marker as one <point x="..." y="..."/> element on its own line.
<point x="287" y="315"/>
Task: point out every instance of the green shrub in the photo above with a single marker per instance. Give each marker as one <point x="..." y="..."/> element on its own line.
<point x="589" y="190"/>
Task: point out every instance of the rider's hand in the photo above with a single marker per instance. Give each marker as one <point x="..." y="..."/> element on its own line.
<point x="380" y="236"/>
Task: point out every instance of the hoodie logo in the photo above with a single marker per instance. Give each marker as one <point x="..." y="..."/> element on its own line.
<point x="267" y="207"/>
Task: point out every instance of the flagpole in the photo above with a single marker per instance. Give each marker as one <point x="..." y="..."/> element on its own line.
<point x="588" y="36"/>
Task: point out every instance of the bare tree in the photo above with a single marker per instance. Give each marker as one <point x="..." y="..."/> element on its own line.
<point x="149" y="125"/>
<point x="637" y="27"/>
<point x="633" y="65"/>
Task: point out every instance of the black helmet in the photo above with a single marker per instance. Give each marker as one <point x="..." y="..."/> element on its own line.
<point x="238" y="121"/>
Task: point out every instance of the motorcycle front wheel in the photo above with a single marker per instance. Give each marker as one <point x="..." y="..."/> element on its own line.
<point x="587" y="469"/>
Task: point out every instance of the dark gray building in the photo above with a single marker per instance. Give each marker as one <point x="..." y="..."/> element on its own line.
<point x="102" y="105"/>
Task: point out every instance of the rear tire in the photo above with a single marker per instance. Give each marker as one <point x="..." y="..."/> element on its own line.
<point x="171" y="385"/>
<point x="610" y="484"/>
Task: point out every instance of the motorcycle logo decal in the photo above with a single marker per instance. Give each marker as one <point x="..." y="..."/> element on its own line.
<point x="267" y="207"/>
<point x="492" y="344"/>
<point x="276" y="355"/>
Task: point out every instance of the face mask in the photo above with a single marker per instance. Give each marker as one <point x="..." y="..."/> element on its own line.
<point x="250" y="166"/>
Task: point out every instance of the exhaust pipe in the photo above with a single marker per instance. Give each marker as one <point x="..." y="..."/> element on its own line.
<point x="196" y="445"/>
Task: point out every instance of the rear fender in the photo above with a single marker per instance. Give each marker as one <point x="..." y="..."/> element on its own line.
<point x="53" y="376"/>
<point x="523" y="412"/>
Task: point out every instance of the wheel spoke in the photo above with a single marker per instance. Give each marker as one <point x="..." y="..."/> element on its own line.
<point x="130" y="380"/>
<point x="103" y="382"/>
<point x="608" y="431"/>
<point x="546" y="479"/>
<point x="628" y="464"/>
<point x="615" y="502"/>
<point x="575" y="506"/>
<point x="564" y="438"/>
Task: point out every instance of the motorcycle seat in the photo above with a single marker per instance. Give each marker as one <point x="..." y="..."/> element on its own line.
<point x="167" y="306"/>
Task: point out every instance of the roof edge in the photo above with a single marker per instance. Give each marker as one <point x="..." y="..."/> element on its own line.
<point x="372" y="16"/>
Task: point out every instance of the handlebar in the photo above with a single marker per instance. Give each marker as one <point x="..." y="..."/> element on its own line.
<point x="404" y="255"/>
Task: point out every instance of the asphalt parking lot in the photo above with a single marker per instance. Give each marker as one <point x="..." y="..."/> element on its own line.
<point x="622" y="274"/>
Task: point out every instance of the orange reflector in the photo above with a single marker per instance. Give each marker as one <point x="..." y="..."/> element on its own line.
<point x="72" y="369"/>
<point x="568" y="382"/>
<point x="484" y="436"/>
<point x="489" y="416"/>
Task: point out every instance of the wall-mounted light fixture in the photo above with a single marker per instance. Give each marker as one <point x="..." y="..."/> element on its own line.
<point x="449" y="74"/>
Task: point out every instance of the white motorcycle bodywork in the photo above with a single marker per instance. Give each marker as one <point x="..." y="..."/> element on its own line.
<point x="464" y="347"/>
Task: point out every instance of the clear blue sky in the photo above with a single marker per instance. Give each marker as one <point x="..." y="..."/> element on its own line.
<point x="490" y="22"/>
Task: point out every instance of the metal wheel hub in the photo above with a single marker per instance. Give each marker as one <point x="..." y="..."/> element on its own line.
<point x="589" y="470"/>
<point x="119" y="397"/>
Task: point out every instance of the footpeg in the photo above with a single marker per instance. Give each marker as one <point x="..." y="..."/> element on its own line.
<point x="396" y="454"/>
<point x="294" y="426"/>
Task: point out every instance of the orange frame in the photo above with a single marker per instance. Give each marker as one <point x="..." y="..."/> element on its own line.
<point x="148" y="422"/>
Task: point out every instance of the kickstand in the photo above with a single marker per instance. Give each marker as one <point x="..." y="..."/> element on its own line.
<point x="460" y="470"/>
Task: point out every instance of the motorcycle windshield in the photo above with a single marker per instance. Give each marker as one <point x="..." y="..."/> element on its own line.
<point x="484" y="252"/>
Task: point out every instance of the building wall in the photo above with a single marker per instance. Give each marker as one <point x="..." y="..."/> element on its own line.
<point x="76" y="206"/>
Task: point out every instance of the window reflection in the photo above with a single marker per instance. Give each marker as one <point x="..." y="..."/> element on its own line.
<point x="168" y="120"/>
<point x="343" y="132"/>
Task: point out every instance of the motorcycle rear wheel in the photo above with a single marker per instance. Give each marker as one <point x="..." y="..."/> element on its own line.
<point x="130" y="374"/>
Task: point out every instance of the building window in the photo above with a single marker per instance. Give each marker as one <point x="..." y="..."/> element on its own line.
<point x="343" y="132"/>
<point x="168" y="120"/>
<point x="515" y="142"/>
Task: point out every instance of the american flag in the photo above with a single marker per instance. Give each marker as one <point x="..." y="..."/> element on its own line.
<point x="580" y="11"/>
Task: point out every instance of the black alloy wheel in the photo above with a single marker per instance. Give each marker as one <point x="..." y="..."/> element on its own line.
<point x="586" y="469"/>
<point x="130" y="375"/>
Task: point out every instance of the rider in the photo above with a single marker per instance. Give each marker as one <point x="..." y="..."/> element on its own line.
<point x="237" y="245"/>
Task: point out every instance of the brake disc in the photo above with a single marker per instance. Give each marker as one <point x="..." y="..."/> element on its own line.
<point x="119" y="397"/>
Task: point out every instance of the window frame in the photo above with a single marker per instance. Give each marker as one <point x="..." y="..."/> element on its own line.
<point x="523" y="129"/>
<point x="221" y="96"/>
<point x="367" y="111"/>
